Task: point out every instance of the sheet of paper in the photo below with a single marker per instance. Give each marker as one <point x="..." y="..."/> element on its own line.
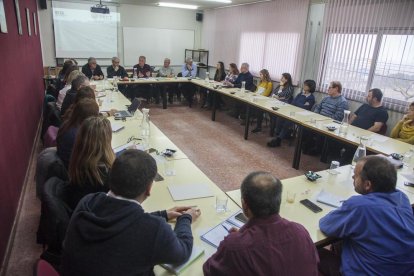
<point x="409" y="177"/>
<point x="305" y="113"/>
<point x="123" y="147"/>
<point x="329" y="199"/>
<point x="116" y="127"/>
<point x="379" y="138"/>
<point x="189" y="191"/>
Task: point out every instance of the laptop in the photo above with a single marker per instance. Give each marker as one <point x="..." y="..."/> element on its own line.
<point x="131" y="110"/>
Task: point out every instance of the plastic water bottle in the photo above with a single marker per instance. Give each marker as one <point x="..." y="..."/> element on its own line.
<point x="243" y="87"/>
<point x="361" y="151"/>
<point x="207" y="79"/>
<point x="145" y="128"/>
<point x="343" y="128"/>
<point x="135" y="76"/>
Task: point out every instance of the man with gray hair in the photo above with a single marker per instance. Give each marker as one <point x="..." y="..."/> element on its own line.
<point x="267" y="244"/>
<point x="245" y="76"/>
<point x="167" y="71"/>
<point x="92" y="69"/>
<point x="116" y="70"/>
<point x="189" y="70"/>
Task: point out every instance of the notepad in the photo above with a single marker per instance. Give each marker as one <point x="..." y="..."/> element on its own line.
<point x="177" y="269"/>
<point x="189" y="191"/>
<point x="215" y="235"/>
<point x="116" y="127"/>
<point x="329" y="199"/>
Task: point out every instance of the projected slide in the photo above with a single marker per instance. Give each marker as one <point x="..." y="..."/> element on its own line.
<point x="82" y="34"/>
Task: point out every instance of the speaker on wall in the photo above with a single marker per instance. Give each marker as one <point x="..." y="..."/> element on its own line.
<point x="43" y="4"/>
<point x="199" y="16"/>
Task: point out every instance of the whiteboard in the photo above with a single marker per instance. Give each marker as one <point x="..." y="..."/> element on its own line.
<point x="156" y="44"/>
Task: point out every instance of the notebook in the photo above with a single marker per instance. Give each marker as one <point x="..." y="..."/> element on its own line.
<point x="215" y="235"/>
<point x="177" y="269"/>
<point x="131" y="110"/>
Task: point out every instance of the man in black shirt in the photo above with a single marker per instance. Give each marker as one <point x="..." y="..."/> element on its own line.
<point x="246" y="76"/>
<point x="143" y="70"/>
<point x="92" y="70"/>
<point x="372" y="115"/>
<point x="116" y="70"/>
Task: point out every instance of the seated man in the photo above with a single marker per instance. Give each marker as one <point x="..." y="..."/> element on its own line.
<point x="372" y="115"/>
<point x="111" y="234"/>
<point x="92" y="70"/>
<point x="267" y="244"/>
<point x="189" y="70"/>
<point x="166" y="71"/>
<point x="142" y="70"/>
<point x="332" y="106"/>
<point x="116" y="70"/>
<point x="377" y="226"/>
<point x="246" y="76"/>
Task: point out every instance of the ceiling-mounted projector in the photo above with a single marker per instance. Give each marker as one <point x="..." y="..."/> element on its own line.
<point x="99" y="8"/>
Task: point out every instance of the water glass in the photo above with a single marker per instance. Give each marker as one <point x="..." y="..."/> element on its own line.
<point x="290" y="198"/>
<point x="221" y="203"/>
<point x="334" y="166"/>
<point x="169" y="167"/>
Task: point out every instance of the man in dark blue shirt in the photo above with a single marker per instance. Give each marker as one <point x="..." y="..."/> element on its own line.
<point x="376" y="227"/>
<point x="116" y="70"/>
<point x="92" y="70"/>
<point x="246" y="76"/>
<point x="371" y="116"/>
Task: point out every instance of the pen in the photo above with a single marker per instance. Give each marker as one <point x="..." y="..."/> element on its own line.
<point x="228" y="230"/>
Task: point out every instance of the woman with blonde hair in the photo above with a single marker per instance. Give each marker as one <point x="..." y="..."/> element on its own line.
<point x="91" y="159"/>
<point x="265" y="89"/>
<point x="404" y="129"/>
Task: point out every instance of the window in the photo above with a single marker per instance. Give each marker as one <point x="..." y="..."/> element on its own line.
<point x="364" y="61"/>
<point x="394" y="71"/>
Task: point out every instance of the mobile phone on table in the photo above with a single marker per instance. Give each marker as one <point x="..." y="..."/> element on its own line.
<point x="241" y="217"/>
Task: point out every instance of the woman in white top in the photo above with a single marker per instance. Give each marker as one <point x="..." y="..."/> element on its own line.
<point x="62" y="93"/>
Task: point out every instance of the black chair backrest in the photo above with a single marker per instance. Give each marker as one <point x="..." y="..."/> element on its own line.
<point x="48" y="165"/>
<point x="179" y="75"/>
<point x="56" y="213"/>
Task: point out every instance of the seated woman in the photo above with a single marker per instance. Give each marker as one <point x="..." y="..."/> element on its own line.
<point x="68" y="84"/>
<point x="219" y="76"/>
<point x="404" y="129"/>
<point x="91" y="160"/>
<point x="305" y="100"/>
<point x="231" y="75"/>
<point x="65" y="140"/>
<point x="265" y="89"/>
<point x="284" y="92"/>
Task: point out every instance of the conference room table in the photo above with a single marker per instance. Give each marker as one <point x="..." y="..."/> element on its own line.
<point x="303" y="119"/>
<point x="162" y="81"/>
<point x="186" y="173"/>
<point x="340" y="185"/>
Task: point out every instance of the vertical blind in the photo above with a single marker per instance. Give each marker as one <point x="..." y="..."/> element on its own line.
<point x="266" y="35"/>
<point x="367" y="44"/>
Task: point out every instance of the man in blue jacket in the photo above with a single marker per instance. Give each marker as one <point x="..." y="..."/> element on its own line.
<point x="377" y="226"/>
<point x="111" y="234"/>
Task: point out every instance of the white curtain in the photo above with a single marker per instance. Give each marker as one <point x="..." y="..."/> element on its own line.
<point x="266" y="35"/>
<point x="367" y="44"/>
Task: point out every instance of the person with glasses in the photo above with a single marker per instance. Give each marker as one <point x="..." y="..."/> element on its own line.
<point x="333" y="107"/>
<point x="92" y="70"/>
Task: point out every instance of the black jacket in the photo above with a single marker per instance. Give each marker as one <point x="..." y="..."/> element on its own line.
<point x="110" y="72"/>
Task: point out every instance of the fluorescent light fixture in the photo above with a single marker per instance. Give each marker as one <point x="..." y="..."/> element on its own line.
<point x="220" y="1"/>
<point x="176" y="5"/>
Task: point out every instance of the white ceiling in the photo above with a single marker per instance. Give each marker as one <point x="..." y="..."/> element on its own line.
<point x="202" y="4"/>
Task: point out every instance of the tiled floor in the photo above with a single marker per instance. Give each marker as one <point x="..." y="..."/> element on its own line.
<point x="217" y="148"/>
